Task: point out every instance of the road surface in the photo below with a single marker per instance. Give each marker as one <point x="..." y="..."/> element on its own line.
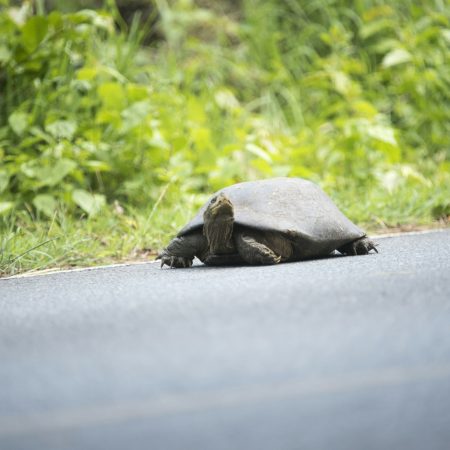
<point x="338" y="353"/>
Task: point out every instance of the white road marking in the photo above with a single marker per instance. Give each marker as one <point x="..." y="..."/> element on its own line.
<point x="40" y="273"/>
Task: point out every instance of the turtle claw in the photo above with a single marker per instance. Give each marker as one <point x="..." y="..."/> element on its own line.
<point x="175" y="261"/>
<point x="359" y="247"/>
<point x="364" y="246"/>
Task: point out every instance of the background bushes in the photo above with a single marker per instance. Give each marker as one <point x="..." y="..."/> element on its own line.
<point x="191" y="96"/>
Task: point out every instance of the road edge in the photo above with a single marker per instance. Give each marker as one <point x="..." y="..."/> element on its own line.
<point x="39" y="273"/>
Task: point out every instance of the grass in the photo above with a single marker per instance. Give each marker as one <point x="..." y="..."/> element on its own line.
<point x="30" y="243"/>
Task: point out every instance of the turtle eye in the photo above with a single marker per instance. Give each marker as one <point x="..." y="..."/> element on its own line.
<point x="213" y="200"/>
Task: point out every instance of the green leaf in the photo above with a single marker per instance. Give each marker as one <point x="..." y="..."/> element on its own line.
<point x="108" y="116"/>
<point x="4" y="131"/>
<point x="45" y="203"/>
<point x="62" y="129"/>
<point x="5" y="54"/>
<point x="258" y="151"/>
<point x="55" y="19"/>
<point x="201" y="136"/>
<point x="34" y="31"/>
<point x="87" y="73"/>
<point x="446" y="34"/>
<point x="91" y="203"/>
<point x="4" y="180"/>
<point x="342" y="82"/>
<point x="50" y="176"/>
<point x="19" y="122"/>
<point x="136" y="92"/>
<point x="135" y="114"/>
<point x="396" y="57"/>
<point x="29" y="168"/>
<point x="226" y="100"/>
<point x="382" y="133"/>
<point x="97" y="166"/>
<point x="379" y="26"/>
<point x="112" y="95"/>
<point x="5" y="207"/>
<point x="95" y="18"/>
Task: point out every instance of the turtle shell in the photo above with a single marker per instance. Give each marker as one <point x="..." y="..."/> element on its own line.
<point x="295" y="207"/>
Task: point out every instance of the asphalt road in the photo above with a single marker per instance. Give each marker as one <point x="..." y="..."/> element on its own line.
<point x="339" y="353"/>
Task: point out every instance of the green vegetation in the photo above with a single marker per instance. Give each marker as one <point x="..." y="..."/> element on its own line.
<point x="107" y="145"/>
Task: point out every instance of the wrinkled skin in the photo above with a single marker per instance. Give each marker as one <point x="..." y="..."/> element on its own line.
<point x="222" y="243"/>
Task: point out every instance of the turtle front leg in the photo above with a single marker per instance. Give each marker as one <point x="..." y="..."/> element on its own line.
<point x="254" y="252"/>
<point x="181" y="250"/>
<point x="359" y="247"/>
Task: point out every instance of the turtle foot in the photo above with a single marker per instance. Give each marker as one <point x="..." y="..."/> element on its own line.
<point x="359" y="247"/>
<point x="175" y="261"/>
<point x="254" y="252"/>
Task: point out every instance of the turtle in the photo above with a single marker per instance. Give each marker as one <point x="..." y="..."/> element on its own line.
<point x="266" y="222"/>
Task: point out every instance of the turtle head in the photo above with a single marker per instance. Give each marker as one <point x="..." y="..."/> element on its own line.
<point x="219" y="207"/>
<point x="218" y="224"/>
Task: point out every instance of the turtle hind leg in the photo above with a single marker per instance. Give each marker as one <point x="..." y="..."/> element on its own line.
<point x="361" y="246"/>
<point x="254" y="252"/>
<point x="181" y="251"/>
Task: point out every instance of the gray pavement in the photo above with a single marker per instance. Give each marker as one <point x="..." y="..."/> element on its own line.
<point x="337" y="353"/>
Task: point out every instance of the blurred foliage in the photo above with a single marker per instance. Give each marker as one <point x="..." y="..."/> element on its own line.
<point x="354" y="95"/>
